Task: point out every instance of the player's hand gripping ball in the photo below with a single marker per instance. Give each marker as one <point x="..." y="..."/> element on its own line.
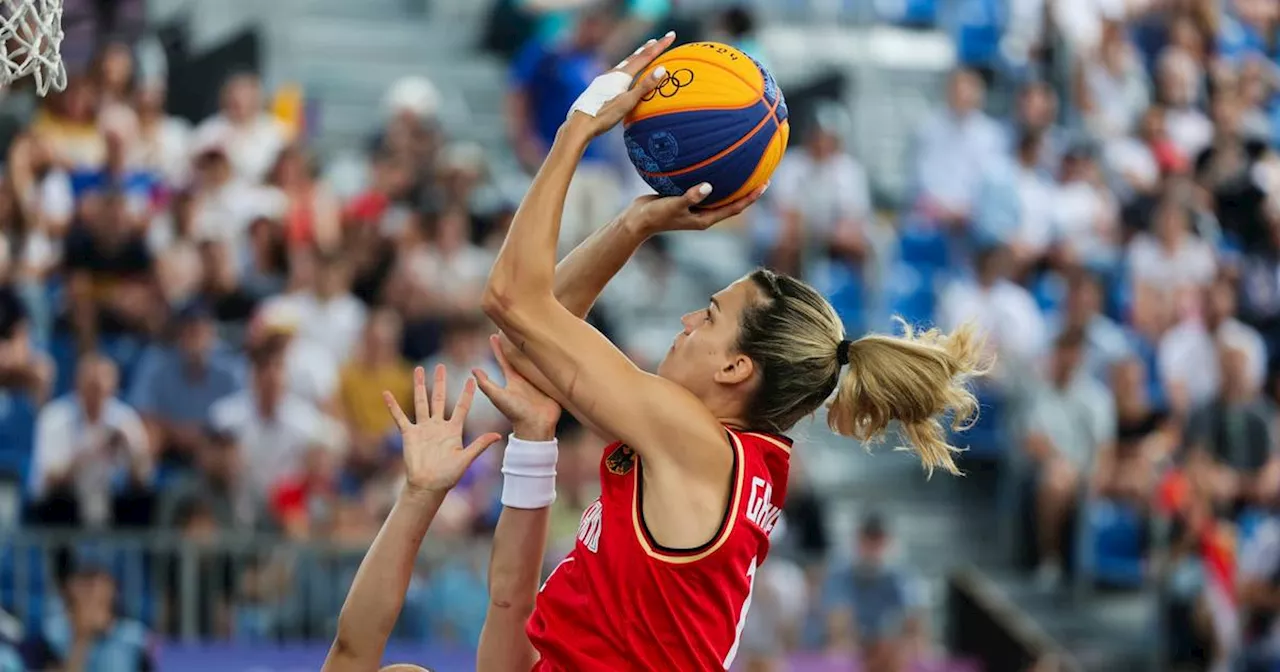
<point x="717" y="116"/>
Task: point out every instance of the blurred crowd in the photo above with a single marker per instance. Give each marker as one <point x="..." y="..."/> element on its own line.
<point x="196" y="321"/>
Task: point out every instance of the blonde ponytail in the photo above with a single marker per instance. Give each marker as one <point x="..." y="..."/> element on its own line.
<point x="915" y="379"/>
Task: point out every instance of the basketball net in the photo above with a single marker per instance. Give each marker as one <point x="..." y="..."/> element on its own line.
<point x="30" y="40"/>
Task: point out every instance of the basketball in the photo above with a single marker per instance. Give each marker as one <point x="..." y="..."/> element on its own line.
<point x="718" y="117"/>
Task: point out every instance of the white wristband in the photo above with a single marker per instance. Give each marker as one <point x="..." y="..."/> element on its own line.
<point x="529" y="473"/>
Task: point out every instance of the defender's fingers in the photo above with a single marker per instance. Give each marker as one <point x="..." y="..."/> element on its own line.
<point x="495" y="343"/>
<point x="397" y="414"/>
<point x="439" y="392"/>
<point x="421" y="410"/>
<point x="481" y="444"/>
<point x="463" y="406"/>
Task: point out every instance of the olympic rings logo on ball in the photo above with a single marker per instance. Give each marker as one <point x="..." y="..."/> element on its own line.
<point x="671" y="84"/>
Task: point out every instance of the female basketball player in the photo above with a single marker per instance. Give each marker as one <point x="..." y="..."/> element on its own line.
<point x="662" y="573"/>
<point x="434" y="460"/>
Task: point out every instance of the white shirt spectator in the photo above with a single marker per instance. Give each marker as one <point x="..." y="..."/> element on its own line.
<point x="1130" y="163"/>
<point x="1076" y="419"/>
<point x="1189" y="130"/>
<point x="823" y="192"/>
<point x="1081" y="21"/>
<point x="951" y="154"/>
<point x="311" y="371"/>
<point x="252" y="147"/>
<point x="459" y="276"/>
<point x="1006" y="313"/>
<point x="271" y="447"/>
<point x="334" y="325"/>
<point x="166" y="149"/>
<point x="1036" y="194"/>
<point x="224" y="213"/>
<point x="1084" y="217"/>
<point x="98" y="452"/>
<point x="1260" y="562"/>
<point x="1192" y="264"/>
<point x="1119" y="99"/>
<point x="1188" y="356"/>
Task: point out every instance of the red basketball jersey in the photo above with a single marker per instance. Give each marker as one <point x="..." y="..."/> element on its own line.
<point x="620" y="601"/>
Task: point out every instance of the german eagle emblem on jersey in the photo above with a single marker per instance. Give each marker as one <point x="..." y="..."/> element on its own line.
<point x="620" y="461"/>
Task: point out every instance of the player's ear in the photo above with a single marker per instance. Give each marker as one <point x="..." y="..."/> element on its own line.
<point x="738" y="368"/>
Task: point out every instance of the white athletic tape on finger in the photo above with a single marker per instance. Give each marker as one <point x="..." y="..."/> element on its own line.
<point x="602" y="89"/>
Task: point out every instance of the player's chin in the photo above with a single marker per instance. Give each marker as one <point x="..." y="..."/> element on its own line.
<point x="665" y="367"/>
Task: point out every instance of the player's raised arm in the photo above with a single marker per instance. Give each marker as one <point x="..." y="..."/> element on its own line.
<point x="582" y="275"/>
<point x="593" y="379"/>
<point x="520" y="540"/>
<point x="434" y="460"/>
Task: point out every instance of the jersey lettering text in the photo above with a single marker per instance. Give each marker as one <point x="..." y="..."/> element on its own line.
<point x="760" y="508"/>
<point x="589" y="528"/>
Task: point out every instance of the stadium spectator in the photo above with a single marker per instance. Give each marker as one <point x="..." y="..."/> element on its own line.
<point x="92" y="464"/>
<point x="312" y="214"/>
<point x="1128" y="466"/>
<point x="23" y="367"/>
<point x="88" y="634"/>
<point x="1037" y="116"/>
<point x="1004" y="310"/>
<point x="304" y="503"/>
<point x="465" y="347"/>
<point x="1188" y="353"/>
<point x="1171" y="257"/>
<point x="1260" y="595"/>
<point x="1230" y="445"/>
<point x="1071" y="418"/>
<point x="1035" y="190"/>
<point x="823" y="200"/>
<point x="952" y="148"/>
<point x="176" y="384"/>
<point x="273" y="427"/>
<point x="164" y="141"/>
<point x="217" y="490"/>
<point x="873" y="607"/>
<point x="1086" y="214"/>
<point x="1111" y="86"/>
<point x="546" y="79"/>
<point x="251" y="138"/>
<point x="375" y="366"/>
<point x="226" y="203"/>
<point x="1105" y="342"/>
<point x="109" y="271"/>
<point x="328" y="315"/>
<point x="1189" y="128"/>
<point x="445" y="266"/>
<point x="67" y="126"/>
<point x="311" y="370"/>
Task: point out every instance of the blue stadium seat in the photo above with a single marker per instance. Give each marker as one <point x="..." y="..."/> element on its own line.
<point x="987" y="438"/>
<point x="62" y="348"/>
<point x="24" y="583"/>
<point x="848" y="297"/>
<point x="17" y="433"/>
<point x="924" y="247"/>
<point x="910" y="292"/>
<point x="126" y="352"/>
<point x="1113" y="544"/>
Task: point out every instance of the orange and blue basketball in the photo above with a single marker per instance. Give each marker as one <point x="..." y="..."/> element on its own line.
<point x="718" y="117"/>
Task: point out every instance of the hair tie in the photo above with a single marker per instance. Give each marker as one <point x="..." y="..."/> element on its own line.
<point x="842" y="351"/>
